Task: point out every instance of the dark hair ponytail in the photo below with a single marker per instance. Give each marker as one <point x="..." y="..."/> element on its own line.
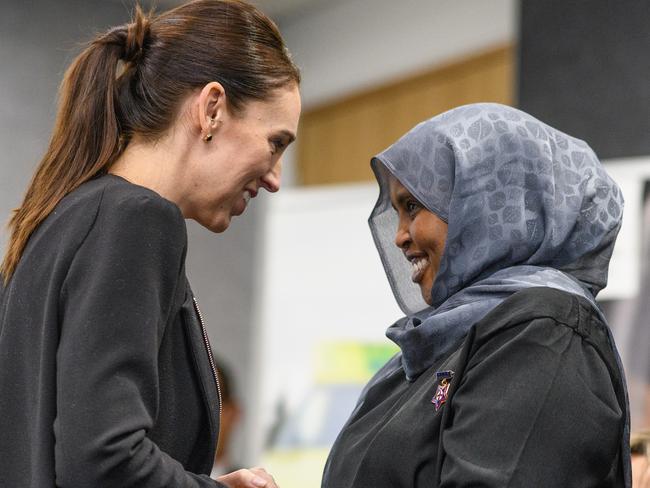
<point x="132" y="79"/>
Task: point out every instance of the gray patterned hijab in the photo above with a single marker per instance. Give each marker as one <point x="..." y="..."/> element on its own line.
<point x="526" y="205"/>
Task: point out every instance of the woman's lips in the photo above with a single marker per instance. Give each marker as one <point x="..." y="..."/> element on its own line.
<point x="241" y="204"/>
<point x="418" y="266"/>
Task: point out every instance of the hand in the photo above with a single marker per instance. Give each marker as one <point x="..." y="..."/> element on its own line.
<point x="640" y="471"/>
<point x="248" y="478"/>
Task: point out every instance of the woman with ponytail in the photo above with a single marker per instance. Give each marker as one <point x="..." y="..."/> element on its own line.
<point x="106" y="377"/>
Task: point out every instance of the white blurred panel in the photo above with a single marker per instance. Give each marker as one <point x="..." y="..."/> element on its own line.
<point x="625" y="266"/>
<point x="320" y="279"/>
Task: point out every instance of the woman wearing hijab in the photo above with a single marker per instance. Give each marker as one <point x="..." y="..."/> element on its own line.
<point x="495" y="231"/>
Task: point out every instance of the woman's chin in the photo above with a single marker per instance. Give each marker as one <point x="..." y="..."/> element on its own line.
<point x="426" y="285"/>
<point x="216" y="225"/>
<point x="220" y="226"/>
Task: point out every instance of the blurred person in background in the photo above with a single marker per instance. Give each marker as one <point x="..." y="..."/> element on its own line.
<point x="106" y="377"/>
<point x="495" y="231"/>
<point x="231" y="413"/>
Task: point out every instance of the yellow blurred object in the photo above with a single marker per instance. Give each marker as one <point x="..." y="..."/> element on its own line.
<point x="350" y="362"/>
<point x="298" y="450"/>
<point x="296" y="468"/>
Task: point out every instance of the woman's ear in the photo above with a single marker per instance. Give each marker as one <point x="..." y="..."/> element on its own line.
<point x="211" y="108"/>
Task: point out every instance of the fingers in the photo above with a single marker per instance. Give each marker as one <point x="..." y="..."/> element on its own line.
<point x="248" y="478"/>
<point x="262" y="473"/>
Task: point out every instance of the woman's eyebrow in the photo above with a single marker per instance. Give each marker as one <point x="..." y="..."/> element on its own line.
<point x="400" y="197"/>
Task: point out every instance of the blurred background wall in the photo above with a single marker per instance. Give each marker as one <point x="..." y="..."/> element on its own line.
<point x="371" y="70"/>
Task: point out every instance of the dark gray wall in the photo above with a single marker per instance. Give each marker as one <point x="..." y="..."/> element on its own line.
<point x="38" y="39"/>
<point x="584" y="68"/>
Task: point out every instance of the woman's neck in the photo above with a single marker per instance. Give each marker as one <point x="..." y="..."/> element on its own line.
<point x="154" y="165"/>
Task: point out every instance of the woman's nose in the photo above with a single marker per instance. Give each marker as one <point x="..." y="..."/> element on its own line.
<point x="402" y="237"/>
<point x="271" y="180"/>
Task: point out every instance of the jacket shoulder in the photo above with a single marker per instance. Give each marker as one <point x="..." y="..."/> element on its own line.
<point x="545" y="311"/>
<point x="109" y="206"/>
<point x="130" y="205"/>
<point x="110" y="199"/>
<point x="537" y="303"/>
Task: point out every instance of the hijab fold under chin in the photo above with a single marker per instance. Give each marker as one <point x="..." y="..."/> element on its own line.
<point x="425" y="338"/>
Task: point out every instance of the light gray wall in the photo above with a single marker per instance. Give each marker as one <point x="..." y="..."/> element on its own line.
<point x="38" y="39"/>
<point x="348" y="46"/>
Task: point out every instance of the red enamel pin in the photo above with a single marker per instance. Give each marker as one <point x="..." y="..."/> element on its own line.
<point x="444" y="378"/>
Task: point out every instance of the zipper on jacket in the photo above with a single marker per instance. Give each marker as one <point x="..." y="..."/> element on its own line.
<point x="206" y="342"/>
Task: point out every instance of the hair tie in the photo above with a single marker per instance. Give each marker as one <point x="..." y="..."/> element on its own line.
<point x="137" y="35"/>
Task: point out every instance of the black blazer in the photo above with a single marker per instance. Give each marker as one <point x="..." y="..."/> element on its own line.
<point x="536" y="400"/>
<point x="105" y="379"/>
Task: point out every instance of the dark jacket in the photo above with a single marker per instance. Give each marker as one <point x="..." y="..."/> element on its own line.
<point x="536" y="400"/>
<point x="105" y="380"/>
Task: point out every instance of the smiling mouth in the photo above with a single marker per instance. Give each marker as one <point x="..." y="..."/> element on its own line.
<point x="418" y="265"/>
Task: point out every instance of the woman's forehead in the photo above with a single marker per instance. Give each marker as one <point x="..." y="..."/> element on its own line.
<point x="398" y="192"/>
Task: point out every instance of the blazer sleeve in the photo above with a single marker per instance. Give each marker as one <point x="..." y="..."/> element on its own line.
<point x="115" y="303"/>
<point x="535" y="407"/>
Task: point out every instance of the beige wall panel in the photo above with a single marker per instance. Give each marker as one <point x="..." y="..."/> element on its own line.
<point x="337" y="140"/>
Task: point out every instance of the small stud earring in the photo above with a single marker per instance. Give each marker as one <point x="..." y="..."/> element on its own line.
<point x="208" y="137"/>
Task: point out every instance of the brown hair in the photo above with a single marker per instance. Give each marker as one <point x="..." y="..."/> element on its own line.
<point x="132" y="79"/>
